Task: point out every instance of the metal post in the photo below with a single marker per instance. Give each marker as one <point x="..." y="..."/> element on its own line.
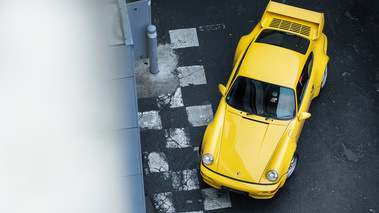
<point x="152" y="46"/>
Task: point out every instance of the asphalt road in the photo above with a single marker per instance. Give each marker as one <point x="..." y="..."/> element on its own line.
<point x="338" y="148"/>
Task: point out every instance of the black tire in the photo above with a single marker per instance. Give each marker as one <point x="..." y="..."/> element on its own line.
<point x="293" y="165"/>
<point x="201" y="144"/>
<point x="323" y="81"/>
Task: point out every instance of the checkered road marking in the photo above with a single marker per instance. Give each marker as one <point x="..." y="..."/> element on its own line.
<point x="178" y="138"/>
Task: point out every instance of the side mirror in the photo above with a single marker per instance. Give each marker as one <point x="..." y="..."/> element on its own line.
<point x="304" y="115"/>
<point x="222" y="89"/>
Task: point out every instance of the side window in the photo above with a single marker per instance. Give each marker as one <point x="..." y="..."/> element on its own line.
<point x="303" y="79"/>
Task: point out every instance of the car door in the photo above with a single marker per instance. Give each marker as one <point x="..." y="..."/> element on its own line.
<point x="304" y="92"/>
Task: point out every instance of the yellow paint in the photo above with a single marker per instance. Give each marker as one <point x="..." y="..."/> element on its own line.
<point x="282" y="70"/>
<point x="310" y="18"/>
<point x="245" y="147"/>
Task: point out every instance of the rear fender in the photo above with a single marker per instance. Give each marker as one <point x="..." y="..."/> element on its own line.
<point x="244" y="43"/>
<point x="320" y="62"/>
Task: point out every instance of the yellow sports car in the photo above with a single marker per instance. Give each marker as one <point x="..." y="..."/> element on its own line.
<point x="249" y="147"/>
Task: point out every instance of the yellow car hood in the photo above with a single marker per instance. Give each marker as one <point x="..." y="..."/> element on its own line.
<point x="247" y="146"/>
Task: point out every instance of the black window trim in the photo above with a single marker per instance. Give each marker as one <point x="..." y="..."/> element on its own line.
<point x="310" y="58"/>
<point x="239" y="65"/>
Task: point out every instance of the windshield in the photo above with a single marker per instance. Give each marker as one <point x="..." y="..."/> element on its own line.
<point x="263" y="99"/>
<point x="284" y="39"/>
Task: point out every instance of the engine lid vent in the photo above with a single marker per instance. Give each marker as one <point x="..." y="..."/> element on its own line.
<point x="290" y="26"/>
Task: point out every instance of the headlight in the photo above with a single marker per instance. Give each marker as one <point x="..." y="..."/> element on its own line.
<point x="207" y="159"/>
<point x="272" y="175"/>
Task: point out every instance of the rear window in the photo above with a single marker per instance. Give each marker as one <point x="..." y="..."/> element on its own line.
<point x="284" y="39"/>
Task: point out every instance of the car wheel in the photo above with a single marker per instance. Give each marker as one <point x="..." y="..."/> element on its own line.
<point x="293" y="164"/>
<point x="324" y="77"/>
<point x="200" y="145"/>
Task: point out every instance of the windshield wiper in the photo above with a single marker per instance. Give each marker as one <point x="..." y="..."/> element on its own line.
<point x="250" y="113"/>
<point x="270" y="117"/>
<point x="280" y="118"/>
<point x="267" y="116"/>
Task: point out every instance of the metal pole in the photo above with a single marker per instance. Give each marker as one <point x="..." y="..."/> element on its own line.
<point x="152" y="46"/>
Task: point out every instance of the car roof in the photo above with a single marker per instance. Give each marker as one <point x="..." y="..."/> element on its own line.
<point x="272" y="64"/>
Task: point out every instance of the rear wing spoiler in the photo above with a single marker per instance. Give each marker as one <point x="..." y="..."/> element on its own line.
<point x="296" y="20"/>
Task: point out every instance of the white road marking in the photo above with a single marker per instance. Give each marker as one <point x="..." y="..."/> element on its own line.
<point x="212" y="27"/>
<point x="191" y="75"/>
<point x="149" y="120"/>
<point x="215" y="199"/>
<point x="163" y="202"/>
<point x="173" y="100"/>
<point x="200" y="115"/>
<point x="177" y="138"/>
<point x="185" y="180"/>
<point x="157" y="162"/>
<point x="183" y="38"/>
<point x="193" y="212"/>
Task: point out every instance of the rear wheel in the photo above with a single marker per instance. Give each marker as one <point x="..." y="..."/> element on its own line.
<point x="293" y="164"/>
<point x="324" y="77"/>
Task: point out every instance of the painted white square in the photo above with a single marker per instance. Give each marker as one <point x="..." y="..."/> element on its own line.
<point x="149" y="120"/>
<point x="191" y="75"/>
<point x="157" y="162"/>
<point x="215" y="199"/>
<point x="183" y="38"/>
<point x="163" y="202"/>
<point x="185" y="180"/>
<point x="177" y="138"/>
<point x="200" y="115"/>
<point x="172" y="100"/>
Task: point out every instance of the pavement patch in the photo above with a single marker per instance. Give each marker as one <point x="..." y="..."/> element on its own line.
<point x="185" y="180"/>
<point x="215" y="199"/>
<point x="171" y="100"/>
<point x="157" y="162"/>
<point x="183" y="38"/>
<point x="149" y="120"/>
<point x="165" y="81"/>
<point x="212" y="27"/>
<point x="350" y="155"/>
<point x="177" y="138"/>
<point x="200" y="115"/>
<point x="191" y="75"/>
<point x="163" y="202"/>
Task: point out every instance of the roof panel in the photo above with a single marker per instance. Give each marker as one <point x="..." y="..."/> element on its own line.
<point x="272" y="64"/>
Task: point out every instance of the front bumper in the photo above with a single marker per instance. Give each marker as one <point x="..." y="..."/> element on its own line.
<point x="254" y="190"/>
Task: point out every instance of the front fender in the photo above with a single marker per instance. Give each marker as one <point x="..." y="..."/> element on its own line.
<point x="282" y="156"/>
<point x="212" y="136"/>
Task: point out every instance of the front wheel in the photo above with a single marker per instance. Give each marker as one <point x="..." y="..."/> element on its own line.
<point x="324" y="77"/>
<point x="293" y="164"/>
<point x="200" y="145"/>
